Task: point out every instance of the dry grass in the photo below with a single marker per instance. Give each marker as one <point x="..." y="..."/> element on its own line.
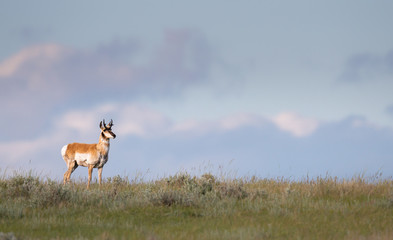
<point x="190" y="207"/>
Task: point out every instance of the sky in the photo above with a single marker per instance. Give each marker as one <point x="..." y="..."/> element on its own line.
<point x="266" y="88"/>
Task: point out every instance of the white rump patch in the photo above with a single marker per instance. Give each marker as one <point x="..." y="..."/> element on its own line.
<point x="64" y="150"/>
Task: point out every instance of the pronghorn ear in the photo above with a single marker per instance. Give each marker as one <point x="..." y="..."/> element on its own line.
<point x="101" y="126"/>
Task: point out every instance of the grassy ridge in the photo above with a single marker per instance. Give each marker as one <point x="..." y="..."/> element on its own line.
<point x="189" y="207"/>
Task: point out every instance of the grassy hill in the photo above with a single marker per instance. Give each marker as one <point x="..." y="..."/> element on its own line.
<point x="189" y="207"/>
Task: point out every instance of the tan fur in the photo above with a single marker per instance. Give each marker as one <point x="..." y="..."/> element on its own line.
<point x="88" y="155"/>
<point x="73" y="148"/>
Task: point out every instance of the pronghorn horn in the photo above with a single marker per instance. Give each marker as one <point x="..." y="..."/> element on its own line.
<point x="111" y="123"/>
<point x="103" y="121"/>
<point x="101" y="124"/>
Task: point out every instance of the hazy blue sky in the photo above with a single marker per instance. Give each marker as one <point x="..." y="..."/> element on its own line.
<point x="272" y="88"/>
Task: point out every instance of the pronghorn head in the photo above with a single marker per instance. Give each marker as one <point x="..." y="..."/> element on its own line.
<point x="106" y="129"/>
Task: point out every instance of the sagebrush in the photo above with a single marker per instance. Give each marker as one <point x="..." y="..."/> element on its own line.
<point x="183" y="206"/>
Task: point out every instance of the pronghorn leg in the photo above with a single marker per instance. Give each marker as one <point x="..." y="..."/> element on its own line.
<point x="71" y="167"/>
<point x="99" y="175"/>
<point x="72" y="170"/>
<point x="65" y="177"/>
<point x="90" y="172"/>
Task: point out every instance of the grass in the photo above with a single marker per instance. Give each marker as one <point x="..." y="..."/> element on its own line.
<point x="190" y="207"/>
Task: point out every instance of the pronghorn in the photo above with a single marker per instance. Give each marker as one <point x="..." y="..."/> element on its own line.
<point x="88" y="155"/>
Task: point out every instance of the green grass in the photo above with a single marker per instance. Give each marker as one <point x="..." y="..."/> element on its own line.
<point x="189" y="207"/>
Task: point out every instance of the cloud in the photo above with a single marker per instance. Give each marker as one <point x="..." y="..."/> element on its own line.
<point x="135" y="120"/>
<point x="342" y="148"/>
<point x="40" y="79"/>
<point x="39" y="153"/>
<point x="182" y="59"/>
<point x="129" y="120"/>
<point x="45" y="54"/>
<point x="368" y="67"/>
<point x="119" y="49"/>
<point x="148" y="139"/>
<point x="228" y="123"/>
<point x="81" y="125"/>
<point x="389" y="110"/>
<point x="240" y="120"/>
<point x="140" y="121"/>
<point x="84" y="122"/>
<point x="295" y="124"/>
<point x="29" y="34"/>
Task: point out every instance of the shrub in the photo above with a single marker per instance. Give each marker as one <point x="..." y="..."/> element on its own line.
<point x="234" y="190"/>
<point x="7" y="236"/>
<point x="50" y="194"/>
<point x="192" y="184"/>
<point x="169" y="198"/>
<point x="21" y="186"/>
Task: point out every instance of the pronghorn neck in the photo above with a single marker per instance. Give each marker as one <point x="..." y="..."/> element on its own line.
<point x="103" y="143"/>
<point x="103" y="138"/>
